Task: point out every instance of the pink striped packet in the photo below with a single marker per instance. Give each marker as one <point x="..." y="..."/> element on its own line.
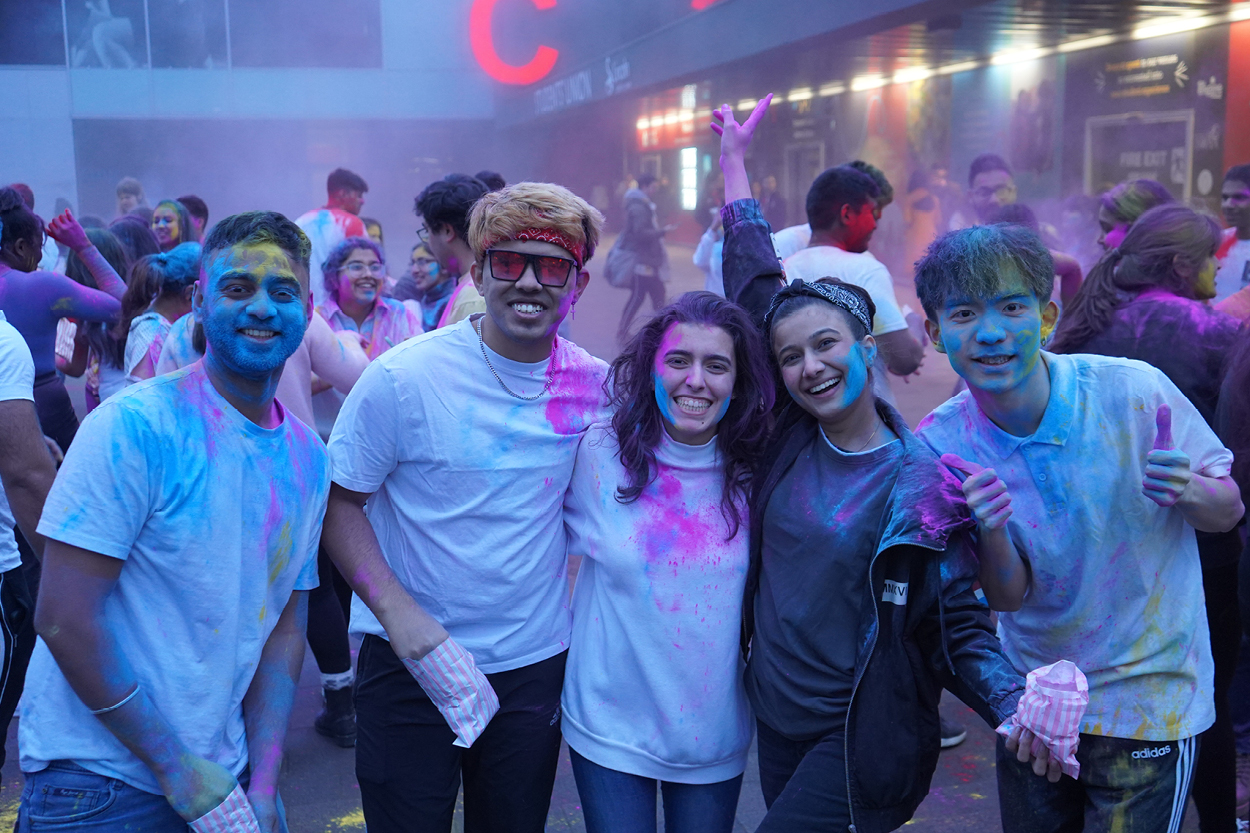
<point x="459" y="691"/>
<point x="1053" y="703"/>
<point x="234" y="815"/>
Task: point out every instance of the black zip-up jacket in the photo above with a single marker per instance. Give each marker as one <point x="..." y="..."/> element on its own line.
<point x="926" y="629"/>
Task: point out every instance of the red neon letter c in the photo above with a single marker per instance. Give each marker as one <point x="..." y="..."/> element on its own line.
<point x="484" y="47"/>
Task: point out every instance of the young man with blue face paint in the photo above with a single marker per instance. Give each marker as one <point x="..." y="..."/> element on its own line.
<point x="1098" y="471"/>
<point x="181" y="538"/>
<point x="451" y="457"/>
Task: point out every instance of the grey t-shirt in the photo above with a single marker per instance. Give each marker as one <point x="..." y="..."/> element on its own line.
<point x="821" y="529"/>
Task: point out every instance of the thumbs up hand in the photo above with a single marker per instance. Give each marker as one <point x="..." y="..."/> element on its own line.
<point x="986" y="494"/>
<point x="1167" y="468"/>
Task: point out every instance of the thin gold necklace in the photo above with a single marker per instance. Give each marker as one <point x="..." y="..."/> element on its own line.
<point x="871" y="437"/>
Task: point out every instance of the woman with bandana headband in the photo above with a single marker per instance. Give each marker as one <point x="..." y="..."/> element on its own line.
<point x="859" y="604"/>
<point x="657" y="506"/>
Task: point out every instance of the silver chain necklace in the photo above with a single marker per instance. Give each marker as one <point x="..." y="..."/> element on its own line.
<point x="506" y="389"/>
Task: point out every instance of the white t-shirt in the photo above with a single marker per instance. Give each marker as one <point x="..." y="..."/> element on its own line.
<point x="792" y="240"/>
<point x="1117" y="585"/>
<point x="146" y="337"/>
<point x="1234" y="273"/>
<point x="326" y="228"/>
<point x="217" y="520"/>
<point x="708" y="256"/>
<point x="863" y="270"/>
<point x="17" y="381"/>
<point x="653" y="685"/>
<point x="468" y="485"/>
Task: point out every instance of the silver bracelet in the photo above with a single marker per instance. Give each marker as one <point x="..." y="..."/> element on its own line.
<point x="118" y="704"/>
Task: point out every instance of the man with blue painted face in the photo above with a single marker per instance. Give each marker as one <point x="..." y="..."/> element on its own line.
<point x="1088" y="476"/>
<point x="462" y="443"/>
<point x="181" y="540"/>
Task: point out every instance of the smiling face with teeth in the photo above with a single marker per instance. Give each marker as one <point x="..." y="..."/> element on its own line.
<point x="357" y="285"/>
<point x="995" y="343"/>
<point x="522" y="316"/>
<point x="824" y="367"/>
<point x="694" y="375"/>
<point x="253" y="302"/>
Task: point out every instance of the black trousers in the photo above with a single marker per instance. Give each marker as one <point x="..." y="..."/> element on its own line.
<point x="409" y="771"/>
<point x="329" y="608"/>
<point x="644" y="285"/>
<point x="803" y="781"/>
<point x="57" y="418"/>
<point x="17" y="642"/>
<point x="1215" y="778"/>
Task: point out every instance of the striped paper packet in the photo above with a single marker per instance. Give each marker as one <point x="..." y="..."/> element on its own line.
<point x="234" y="815"/>
<point x="1053" y="703"/>
<point x="459" y="691"/>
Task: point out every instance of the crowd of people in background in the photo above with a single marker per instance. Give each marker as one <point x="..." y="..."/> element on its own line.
<point x="291" y="440"/>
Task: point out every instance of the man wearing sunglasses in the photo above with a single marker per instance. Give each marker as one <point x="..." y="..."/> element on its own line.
<point x="462" y="443"/>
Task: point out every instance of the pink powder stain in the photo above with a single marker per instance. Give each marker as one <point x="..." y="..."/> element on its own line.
<point x="576" y="391"/>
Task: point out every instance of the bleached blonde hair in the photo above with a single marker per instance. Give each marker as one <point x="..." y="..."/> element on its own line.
<point x="501" y="215"/>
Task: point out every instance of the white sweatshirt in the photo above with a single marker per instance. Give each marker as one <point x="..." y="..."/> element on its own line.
<point x="654" y="679"/>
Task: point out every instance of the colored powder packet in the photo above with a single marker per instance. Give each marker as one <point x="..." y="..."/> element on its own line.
<point x="1053" y="703"/>
<point x="460" y="692"/>
<point x="234" y="815"/>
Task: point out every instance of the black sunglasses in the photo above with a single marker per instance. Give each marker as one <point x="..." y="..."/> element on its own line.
<point x="548" y="270"/>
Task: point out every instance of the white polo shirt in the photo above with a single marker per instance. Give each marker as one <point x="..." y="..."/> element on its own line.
<point x="1117" y="585"/>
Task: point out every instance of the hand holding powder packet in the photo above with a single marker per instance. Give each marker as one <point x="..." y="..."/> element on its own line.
<point x="234" y="815"/>
<point x="459" y="691"/>
<point x="1053" y="703"/>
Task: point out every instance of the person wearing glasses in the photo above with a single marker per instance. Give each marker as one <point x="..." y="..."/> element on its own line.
<point x="444" y="211"/>
<point x="450" y="462"/>
<point x="352" y="275"/>
<point x="991" y="185"/>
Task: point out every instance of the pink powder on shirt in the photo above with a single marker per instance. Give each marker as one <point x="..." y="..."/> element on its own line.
<point x="576" y="392"/>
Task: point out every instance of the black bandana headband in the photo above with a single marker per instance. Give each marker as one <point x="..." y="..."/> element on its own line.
<point x="839" y="296"/>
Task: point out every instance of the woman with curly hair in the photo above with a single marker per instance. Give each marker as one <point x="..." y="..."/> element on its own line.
<point x="653" y="691"/>
<point x="34" y="301"/>
<point x="353" y="275"/>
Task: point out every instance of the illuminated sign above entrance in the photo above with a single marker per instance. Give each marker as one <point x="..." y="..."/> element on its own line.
<point x="483" y="44"/>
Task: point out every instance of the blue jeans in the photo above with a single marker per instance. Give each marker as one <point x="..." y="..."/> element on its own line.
<point x="67" y="797"/>
<point x="1127" y="786"/>
<point x="617" y="802"/>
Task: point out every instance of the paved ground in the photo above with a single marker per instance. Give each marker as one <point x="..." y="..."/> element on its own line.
<point x="318" y="783"/>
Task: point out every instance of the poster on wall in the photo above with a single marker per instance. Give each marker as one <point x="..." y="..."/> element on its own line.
<point x="1174" y="87"/>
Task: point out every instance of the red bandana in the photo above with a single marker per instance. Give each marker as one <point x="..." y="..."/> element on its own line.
<point x="550" y="235"/>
